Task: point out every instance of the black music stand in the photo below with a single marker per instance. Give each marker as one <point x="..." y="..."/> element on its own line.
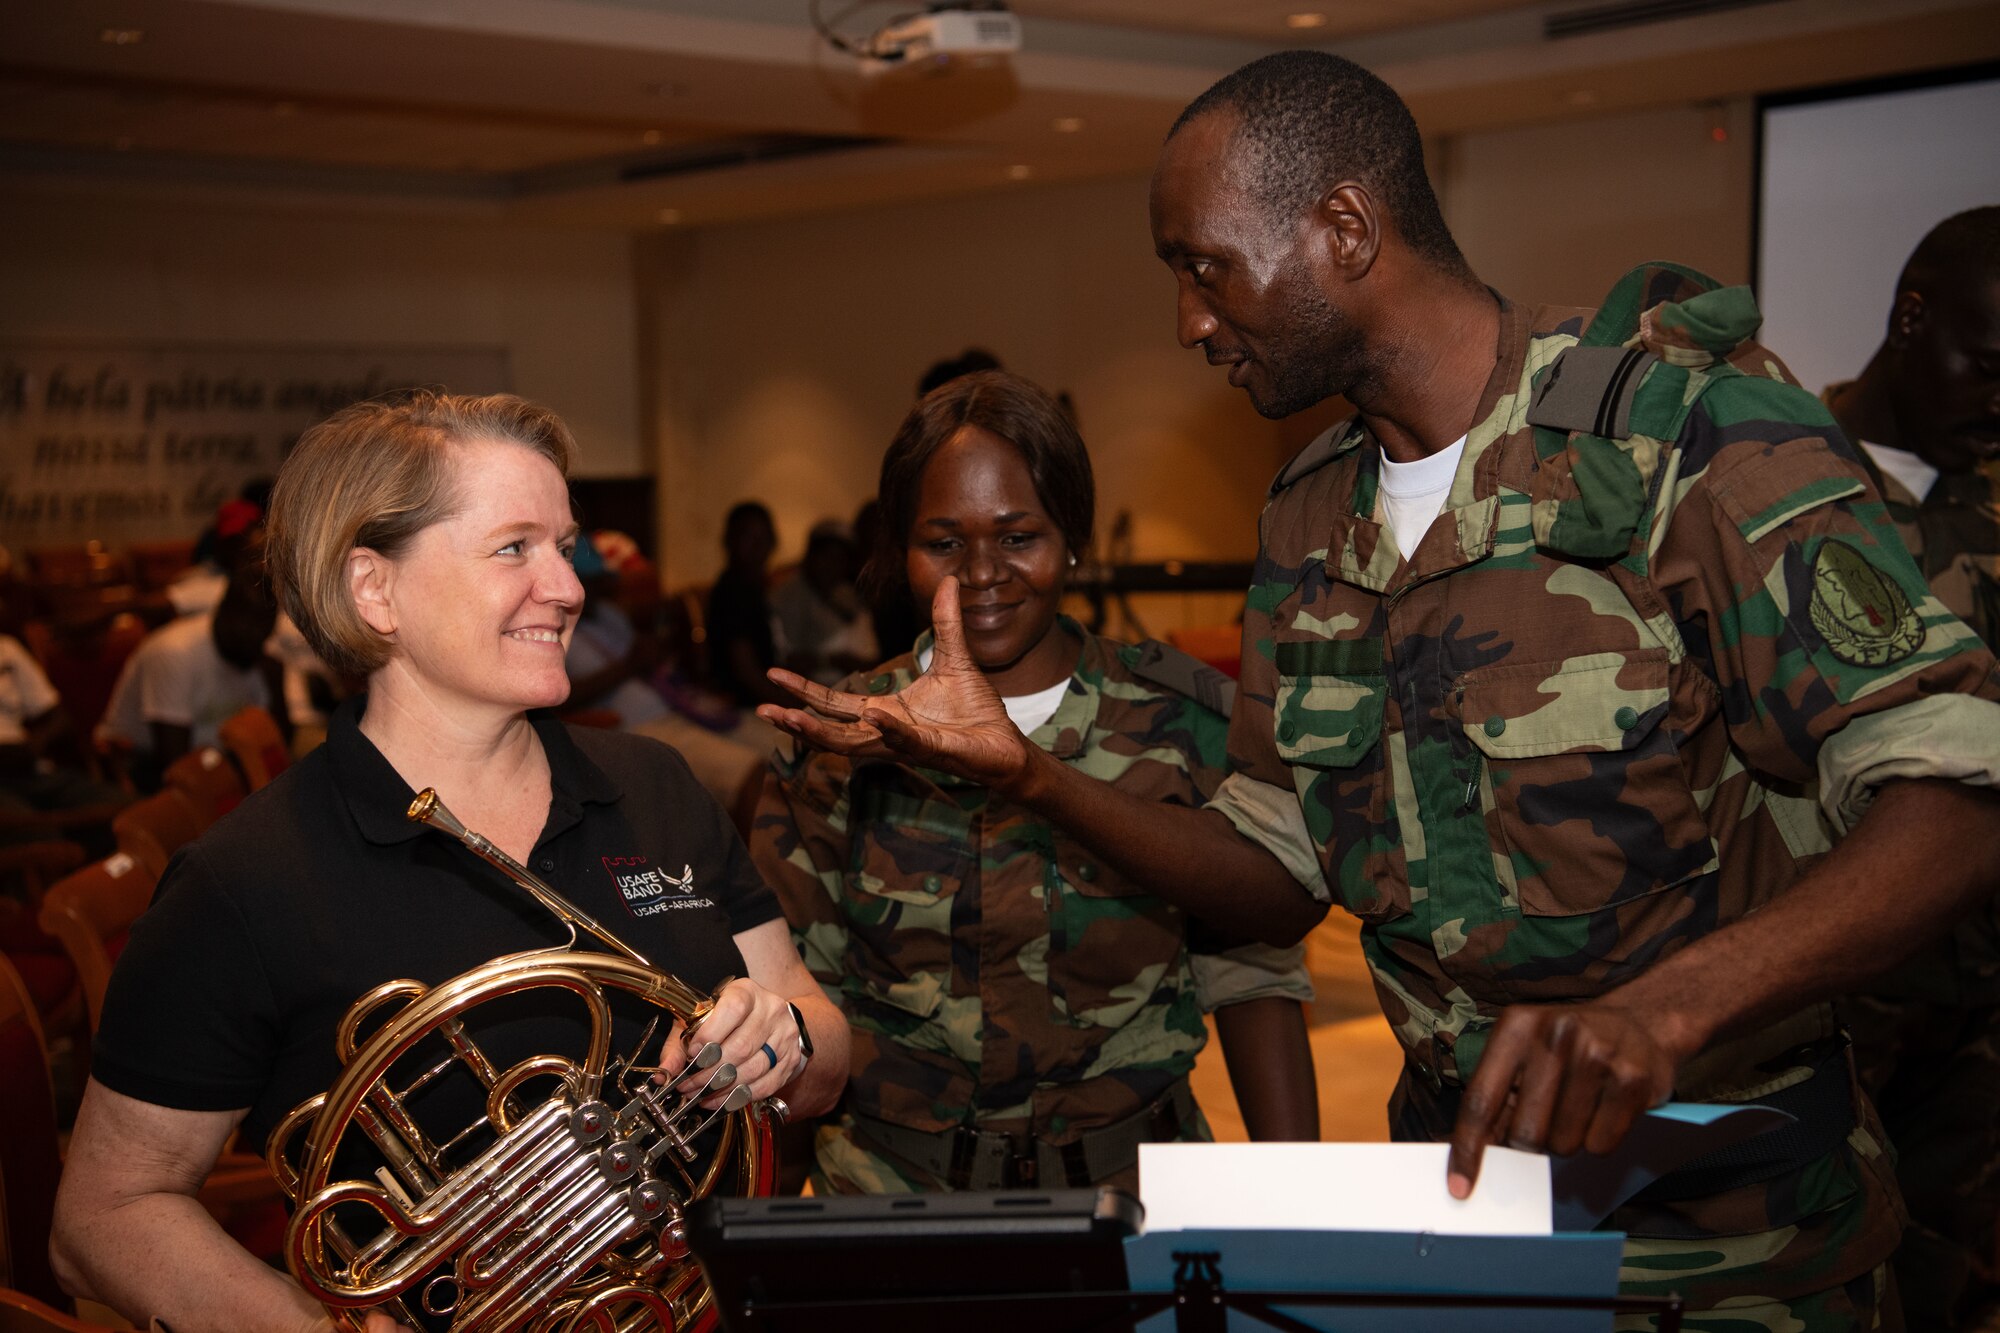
<point x="1011" y="1262"/>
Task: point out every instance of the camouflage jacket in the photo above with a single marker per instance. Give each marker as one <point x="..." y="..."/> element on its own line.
<point x="993" y="971"/>
<point x="1587" y="723"/>
<point x="1954" y="535"/>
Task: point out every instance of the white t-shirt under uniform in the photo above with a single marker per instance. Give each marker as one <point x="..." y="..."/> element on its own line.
<point x="1413" y="494"/>
<point x="1026" y="711"/>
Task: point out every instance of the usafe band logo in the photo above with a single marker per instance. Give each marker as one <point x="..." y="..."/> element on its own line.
<point x="647" y="890"/>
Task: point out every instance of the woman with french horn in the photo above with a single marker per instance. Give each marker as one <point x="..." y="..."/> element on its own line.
<point x="424" y="544"/>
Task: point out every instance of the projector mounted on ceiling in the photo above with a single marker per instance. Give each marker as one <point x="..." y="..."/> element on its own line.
<point x="944" y="36"/>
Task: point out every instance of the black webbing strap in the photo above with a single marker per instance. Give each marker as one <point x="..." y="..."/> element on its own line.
<point x="1822" y="1108"/>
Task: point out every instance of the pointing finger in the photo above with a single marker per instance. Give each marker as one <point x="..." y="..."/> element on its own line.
<point x="1486" y="1105"/>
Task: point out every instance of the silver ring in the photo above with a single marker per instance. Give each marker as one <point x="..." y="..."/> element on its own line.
<point x="777" y="1107"/>
<point x="770" y="1055"/>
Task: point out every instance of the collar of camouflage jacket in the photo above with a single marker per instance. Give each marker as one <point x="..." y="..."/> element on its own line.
<point x="1589" y="493"/>
<point x="1361" y="551"/>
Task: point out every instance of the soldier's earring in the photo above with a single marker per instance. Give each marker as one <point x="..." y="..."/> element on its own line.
<point x="1072" y="559"/>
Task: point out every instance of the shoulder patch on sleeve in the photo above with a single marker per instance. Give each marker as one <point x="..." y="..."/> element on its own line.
<point x="1326" y="446"/>
<point x="1860" y="612"/>
<point x="1164" y="665"/>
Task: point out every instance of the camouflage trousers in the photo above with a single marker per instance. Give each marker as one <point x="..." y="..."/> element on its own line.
<point x="844" y="1163"/>
<point x="1934" y="1071"/>
<point x="1860" y="1304"/>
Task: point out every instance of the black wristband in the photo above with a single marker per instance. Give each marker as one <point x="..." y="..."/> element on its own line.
<point x="805" y="1034"/>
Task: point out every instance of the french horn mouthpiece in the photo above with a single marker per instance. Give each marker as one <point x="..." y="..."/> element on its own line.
<point x="428" y="809"/>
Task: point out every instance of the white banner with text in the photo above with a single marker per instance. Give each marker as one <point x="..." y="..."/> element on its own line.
<point x="122" y="442"/>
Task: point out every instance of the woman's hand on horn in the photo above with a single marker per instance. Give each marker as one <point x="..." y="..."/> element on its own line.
<point x="949" y="718"/>
<point x="757" y="1035"/>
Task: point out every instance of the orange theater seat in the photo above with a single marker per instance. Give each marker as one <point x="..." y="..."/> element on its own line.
<point x="152" y="830"/>
<point x="21" y="1313"/>
<point x="92" y="912"/>
<point x="83" y="663"/>
<point x="253" y="737"/>
<point x="30" y="1160"/>
<point x="27" y="869"/>
<point x="79" y="563"/>
<point x="154" y="564"/>
<point x="210" y="779"/>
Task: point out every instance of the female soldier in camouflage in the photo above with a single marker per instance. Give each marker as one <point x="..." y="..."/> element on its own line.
<point x="1023" y="1015"/>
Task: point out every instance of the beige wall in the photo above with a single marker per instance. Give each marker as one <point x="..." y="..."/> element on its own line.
<point x="787" y="352"/>
<point x="560" y="302"/>
<point x="1556" y="213"/>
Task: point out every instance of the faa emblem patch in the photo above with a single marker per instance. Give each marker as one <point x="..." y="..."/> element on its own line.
<point x="1864" y="617"/>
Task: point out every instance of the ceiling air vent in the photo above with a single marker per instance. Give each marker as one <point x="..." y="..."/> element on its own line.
<point x="1634" y="13"/>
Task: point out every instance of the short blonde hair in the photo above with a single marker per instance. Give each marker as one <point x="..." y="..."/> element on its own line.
<point x="375" y="474"/>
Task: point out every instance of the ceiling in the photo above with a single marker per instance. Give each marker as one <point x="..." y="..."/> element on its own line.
<point x="647" y="113"/>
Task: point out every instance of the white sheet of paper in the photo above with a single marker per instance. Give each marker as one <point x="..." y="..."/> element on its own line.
<point x="1339" y="1187"/>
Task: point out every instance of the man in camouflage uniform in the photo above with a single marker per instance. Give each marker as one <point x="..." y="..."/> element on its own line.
<point x="986" y="960"/>
<point x="1926" y="417"/>
<point x="1579" y="759"/>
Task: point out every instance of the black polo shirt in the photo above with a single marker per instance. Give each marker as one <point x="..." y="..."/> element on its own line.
<point x="317" y="888"/>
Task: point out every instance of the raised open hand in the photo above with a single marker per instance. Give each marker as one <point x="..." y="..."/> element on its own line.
<point x="949" y="718"/>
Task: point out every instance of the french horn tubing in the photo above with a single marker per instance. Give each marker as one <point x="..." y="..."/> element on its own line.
<point x="552" y="1213"/>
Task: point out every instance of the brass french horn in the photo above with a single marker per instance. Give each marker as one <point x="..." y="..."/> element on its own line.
<point x="558" y="1213"/>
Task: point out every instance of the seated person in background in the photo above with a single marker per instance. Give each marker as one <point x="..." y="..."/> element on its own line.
<point x="218" y="550"/>
<point x="609" y="657"/>
<point x="999" y="979"/>
<point x="423" y="545"/>
<point x="742" y="642"/>
<point x="619" y="660"/>
<point x="827" y="635"/>
<point x="1926" y="415"/>
<point x="34" y="777"/>
<point x="189" y="676"/>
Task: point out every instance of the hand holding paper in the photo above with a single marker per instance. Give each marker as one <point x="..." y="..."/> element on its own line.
<point x="1560" y="1078"/>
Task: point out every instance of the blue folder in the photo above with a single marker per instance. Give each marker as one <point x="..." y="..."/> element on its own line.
<point x="1565" y="1264"/>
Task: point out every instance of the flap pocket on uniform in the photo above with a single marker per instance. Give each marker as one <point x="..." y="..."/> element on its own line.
<point x="1582" y="783"/>
<point x="907" y="848"/>
<point x="1328" y="708"/>
<point x="1764" y="495"/>
<point x="1602" y="702"/>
